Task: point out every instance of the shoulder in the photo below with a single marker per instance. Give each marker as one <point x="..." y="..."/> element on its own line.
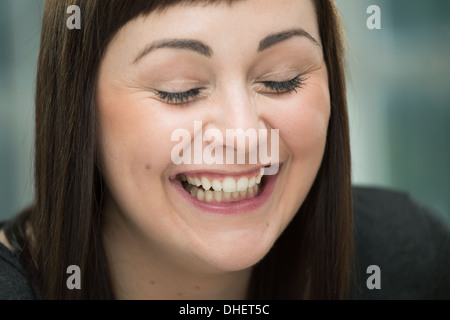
<point x="13" y="281"/>
<point x="408" y="242"/>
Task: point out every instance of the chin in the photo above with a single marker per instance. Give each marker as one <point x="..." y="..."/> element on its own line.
<point x="239" y="253"/>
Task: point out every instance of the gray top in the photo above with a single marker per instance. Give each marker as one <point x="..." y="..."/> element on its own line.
<point x="409" y="243"/>
<point x="13" y="282"/>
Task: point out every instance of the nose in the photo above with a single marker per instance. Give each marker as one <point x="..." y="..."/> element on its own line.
<point x="240" y="122"/>
<point x="238" y="109"/>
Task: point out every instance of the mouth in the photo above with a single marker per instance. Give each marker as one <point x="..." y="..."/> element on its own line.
<point x="224" y="192"/>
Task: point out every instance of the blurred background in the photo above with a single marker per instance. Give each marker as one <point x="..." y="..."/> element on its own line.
<point x="398" y="94"/>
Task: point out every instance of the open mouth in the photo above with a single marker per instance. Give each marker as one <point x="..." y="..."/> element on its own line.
<point x="218" y="188"/>
<point x="226" y="192"/>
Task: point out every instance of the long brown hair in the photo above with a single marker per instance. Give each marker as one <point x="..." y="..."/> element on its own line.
<point x="311" y="259"/>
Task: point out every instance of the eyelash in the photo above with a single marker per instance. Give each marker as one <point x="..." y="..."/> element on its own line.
<point x="178" y="97"/>
<point x="285" y="86"/>
<point x="276" y="87"/>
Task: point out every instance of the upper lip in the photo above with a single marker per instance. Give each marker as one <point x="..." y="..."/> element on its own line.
<point x="217" y="172"/>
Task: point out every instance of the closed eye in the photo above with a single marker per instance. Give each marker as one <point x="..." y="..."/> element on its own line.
<point x="178" y="97"/>
<point x="283" y="86"/>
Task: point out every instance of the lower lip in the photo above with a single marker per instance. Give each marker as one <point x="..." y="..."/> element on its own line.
<point x="238" y="207"/>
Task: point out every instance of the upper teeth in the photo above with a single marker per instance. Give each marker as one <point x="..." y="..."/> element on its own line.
<point x="228" y="184"/>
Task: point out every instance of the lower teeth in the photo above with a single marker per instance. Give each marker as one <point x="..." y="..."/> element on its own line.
<point x="220" y="196"/>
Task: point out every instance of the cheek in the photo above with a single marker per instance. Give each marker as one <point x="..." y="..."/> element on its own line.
<point x="303" y="132"/>
<point x="304" y="123"/>
<point x="129" y="134"/>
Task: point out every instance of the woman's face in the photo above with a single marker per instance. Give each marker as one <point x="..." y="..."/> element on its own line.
<point x="253" y="65"/>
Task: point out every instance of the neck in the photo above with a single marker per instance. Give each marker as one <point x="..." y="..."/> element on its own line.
<point x="140" y="270"/>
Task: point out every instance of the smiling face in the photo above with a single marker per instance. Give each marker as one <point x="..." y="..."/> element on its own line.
<point x="249" y="65"/>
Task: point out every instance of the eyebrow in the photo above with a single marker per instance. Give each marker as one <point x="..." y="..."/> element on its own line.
<point x="205" y="50"/>
<point x="194" y="45"/>
<point x="278" y="37"/>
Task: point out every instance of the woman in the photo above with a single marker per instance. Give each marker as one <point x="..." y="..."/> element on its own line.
<point x="110" y="198"/>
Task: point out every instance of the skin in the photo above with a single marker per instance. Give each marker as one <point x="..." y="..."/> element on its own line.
<point x="4" y="241"/>
<point x="158" y="246"/>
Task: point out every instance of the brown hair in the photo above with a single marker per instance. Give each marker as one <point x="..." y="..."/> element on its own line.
<point x="311" y="259"/>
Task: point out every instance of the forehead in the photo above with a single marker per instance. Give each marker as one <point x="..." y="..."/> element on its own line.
<point x="246" y="21"/>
